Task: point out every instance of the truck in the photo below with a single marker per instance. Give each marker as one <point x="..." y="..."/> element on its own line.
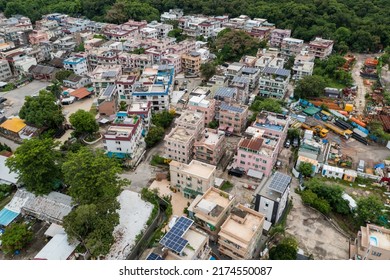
<point x="346" y="133"/>
<point x="317" y="129"/>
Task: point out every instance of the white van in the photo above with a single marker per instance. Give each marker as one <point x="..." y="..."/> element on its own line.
<point x="360" y="167"/>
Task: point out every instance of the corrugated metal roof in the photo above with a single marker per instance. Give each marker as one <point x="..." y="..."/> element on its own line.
<point x="15" y="125"/>
<point x="226" y="92"/>
<point x="277" y="71"/>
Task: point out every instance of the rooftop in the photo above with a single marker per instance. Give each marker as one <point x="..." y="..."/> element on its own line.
<point x="375" y="236"/>
<point x="211" y="137"/>
<point x="196" y="168"/>
<point x="6" y="174"/>
<point x="225" y="92"/>
<point x="190" y="117"/>
<point x="119" y="131"/>
<point x="241" y="225"/>
<point x="180" y="134"/>
<point x="15" y="125"/>
<point x="236" y="109"/>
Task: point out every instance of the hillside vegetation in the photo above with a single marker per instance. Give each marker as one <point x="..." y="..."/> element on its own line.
<point x="357" y="25"/>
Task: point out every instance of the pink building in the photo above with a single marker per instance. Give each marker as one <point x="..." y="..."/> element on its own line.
<point x="38" y="36"/>
<point x="233" y="117"/>
<point x="277" y="36"/>
<point x="203" y="105"/>
<point x="320" y="48"/>
<point x="211" y="148"/>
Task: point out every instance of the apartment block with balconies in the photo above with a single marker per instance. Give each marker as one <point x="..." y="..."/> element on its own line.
<point x="211" y="210"/>
<point x="274" y="82"/>
<point x="372" y="243"/>
<point x="203" y="105"/>
<point x="232" y="117"/>
<point x="179" y="143"/>
<point x="190" y="63"/>
<point x="240" y="234"/>
<point x="277" y="36"/>
<point x="321" y="48"/>
<point x="192" y="179"/>
<point x="211" y="147"/>
<point x="291" y="46"/>
<point x="192" y="122"/>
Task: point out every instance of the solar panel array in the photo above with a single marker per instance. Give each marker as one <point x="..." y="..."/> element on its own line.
<point x="277" y="71"/>
<point x="154" y="257"/>
<point x="174" y="238"/>
<point x="226" y="92"/>
<point x="280" y="182"/>
<point x="227" y="107"/>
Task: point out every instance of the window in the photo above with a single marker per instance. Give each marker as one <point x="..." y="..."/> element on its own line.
<point x="266" y="204"/>
<point x="256" y="166"/>
<point x="117" y="142"/>
<point x="119" y="149"/>
<point x="242" y="162"/>
<point x="242" y="155"/>
<point x="263" y="168"/>
<point x="257" y="159"/>
<point x="264" y="161"/>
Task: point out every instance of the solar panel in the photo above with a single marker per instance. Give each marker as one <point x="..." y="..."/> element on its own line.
<point x="173" y="239"/>
<point x="154" y="257"/>
<point x="280" y="182"/>
<point x="225" y="106"/>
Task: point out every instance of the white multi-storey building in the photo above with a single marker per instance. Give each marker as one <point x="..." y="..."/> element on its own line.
<point x="76" y="64"/>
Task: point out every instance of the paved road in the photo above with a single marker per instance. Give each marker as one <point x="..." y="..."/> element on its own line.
<point x="16" y="97"/>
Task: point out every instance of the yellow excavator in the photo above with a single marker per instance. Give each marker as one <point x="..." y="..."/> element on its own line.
<point x="317" y="129"/>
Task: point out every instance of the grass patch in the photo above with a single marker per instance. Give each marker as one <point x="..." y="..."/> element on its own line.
<point x="334" y="84"/>
<point x="158" y="160"/>
<point x="93" y="110"/>
<point x="5" y="201"/>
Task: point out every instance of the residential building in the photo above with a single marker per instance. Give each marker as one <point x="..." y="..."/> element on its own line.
<point x="173" y="14"/>
<point x="5" y="70"/>
<point x="108" y="101"/>
<point x="178" y="144"/>
<point x="67" y="43"/>
<point x="252" y="74"/>
<point x="75" y="81"/>
<point x="143" y="110"/>
<point x="191" y="121"/>
<point x="372" y="243"/>
<point x="22" y="66"/>
<point x="38" y="36"/>
<point x="123" y="137"/>
<point x="211" y="147"/>
<point x="148" y="33"/>
<point x="272" y="199"/>
<point x="193" y="178"/>
<point x="320" y="48"/>
<point x="76" y="64"/>
<point x="241" y="83"/>
<point x="210" y="210"/>
<point x="274" y="82"/>
<point x="183" y="242"/>
<point x="270" y="58"/>
<point x="277" y="36"/>
<point x="291" y="46"/>
<point x="332" y="172"/>
<point x="303" y="66"/>
<point x="124" y="84"/>
<point x="104" y="76"/>
<point x="233" y="116"/>
<point x="154" y="85"/>
<point x="225" y="95"/>
<point x="240" y="234"/>
<point x="203" y="105"/>
<point x="161" y="28"/>
<point x="7" y="176"/>
<point x="191" y="63"/>
<point x="42" y="72"/>
<point x="234" y="69"/>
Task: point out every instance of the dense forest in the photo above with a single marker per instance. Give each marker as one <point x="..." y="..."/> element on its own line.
<point x="357" y="25"/>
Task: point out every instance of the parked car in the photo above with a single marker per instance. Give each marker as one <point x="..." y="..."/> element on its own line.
<point x="295" y="142"/>
<point x="287" y="144"/>
<point x="2" y="99"/>
<point x="236" y="172"/>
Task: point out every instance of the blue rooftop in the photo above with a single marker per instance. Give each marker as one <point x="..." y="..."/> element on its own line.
<point x="225" y="92"/>
<point x="228" y="107"/>
<point x="7" y="216"/>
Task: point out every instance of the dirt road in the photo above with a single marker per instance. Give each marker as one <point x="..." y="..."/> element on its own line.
<point x="360" y="101"/>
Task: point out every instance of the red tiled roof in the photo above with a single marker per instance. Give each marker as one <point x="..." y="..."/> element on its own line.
<point x="80" y="93"/>
<point x="385" y="121"/>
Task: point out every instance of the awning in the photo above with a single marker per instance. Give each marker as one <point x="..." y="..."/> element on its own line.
<point x="255" y="174"/>
<point x="80" y="93"/>
<point x="7" y="216"/>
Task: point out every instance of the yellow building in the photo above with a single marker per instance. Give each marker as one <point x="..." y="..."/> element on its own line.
<point x="190" y="63"/>
<point x="12" y="126"/>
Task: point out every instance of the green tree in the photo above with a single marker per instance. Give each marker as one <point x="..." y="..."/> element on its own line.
<point x="42" y="111"/>
<point x="4" y="190"/>
<point x="213" y="124"/>
<point x="178" y="34"/>
<point x="83" y="122"/>
<point x="233" y="44"/>
<point x="310" y="86"/>
<point x="55" y="88"/>
<point x="155" y="135"/>
<point x="369" y="209"/>
<point x="287" y="249"/>
<point x="208" y="70"/>
<point x="122" y="10"/>
<point x="306" y="168"/>
<point x="16" y="237"/>
<point x="38" y="164"/>
<point x="93" y="178"/>
<point x="293" y="133"/>
<point x="63" y="74"/>
<point x="163" y="119"/>
<point x="268" y="104"/>
<point x="92" y="228"/>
